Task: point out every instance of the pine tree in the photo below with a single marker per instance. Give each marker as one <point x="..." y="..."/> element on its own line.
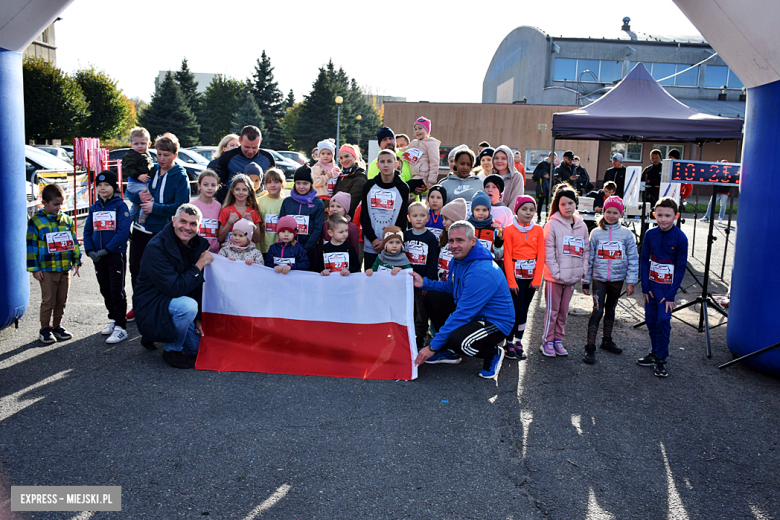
<point x="222" y="99"/>
<point x="317" y="117"/>
<point x="289" y="123"/>
<point x="290" y="101"/>
<point x="189" y="87"/>
<point x="248" y="114"/>
<point x="270" y="100"/>
<point x="107" y="106"/>
<point x="168" y="112"/>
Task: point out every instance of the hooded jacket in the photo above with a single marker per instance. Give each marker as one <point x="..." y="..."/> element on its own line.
<point x="233" y="162"/>
<point x="167" y="271"/>
<point x="427" y="167"/>
<point x="353" y="184"/>
<point x="458" y="188"/>
<point x="280" y="251"/>
<point x="514" y="183"/>
<point x="480" y="291"/>
<point x="315" y="210"/>
<point x="375" y="214"/>
<point x="171" y="191"/>
<point x="542" y="184"/>
<point x="613" y="255"/>
<point x="667" y="248"/>
<point x="113" y="241"/>
<point x="523" y="244"/>
<point x="565" y="265"/>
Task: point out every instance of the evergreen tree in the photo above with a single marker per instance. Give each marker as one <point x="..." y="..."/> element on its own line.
<point x="290" y="101"/>
<point x="54" y="104"/>
<point x="248" y="114"/>
<point x="270" y="100"/>
<point x="222" y="99"/>
<point x="107" y="106"/>
<point x="189" y="87"/>
<point x="317" y="118"/>
<point x="168" y="112"/>
<point x="289" y="122"/>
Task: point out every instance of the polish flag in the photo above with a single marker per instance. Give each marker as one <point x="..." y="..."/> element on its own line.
<point x="257" y="320"/>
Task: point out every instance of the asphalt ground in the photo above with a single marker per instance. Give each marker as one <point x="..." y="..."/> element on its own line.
<point x="552" y="439"/>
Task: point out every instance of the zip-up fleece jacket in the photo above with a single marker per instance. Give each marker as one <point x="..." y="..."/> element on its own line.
<point x="316" y="213"/>
<point x="114" y="241"/>
<point x="603" y="264"/>
<point x="565" y="269"/>
<point x="458" y="188"/>
<point x="520" y="244"/>
<point x="171" y="191"/>
<point x="664" y="247"/>
<point x="480" y="292"/>
<point x="427" y="168"/>
<point x="282" y="250"/>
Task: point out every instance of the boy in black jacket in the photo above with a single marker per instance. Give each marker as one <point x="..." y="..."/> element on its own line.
<point x="422" y="249"/>
<point x="137" y="167"/>
<point x="338" y="255"/>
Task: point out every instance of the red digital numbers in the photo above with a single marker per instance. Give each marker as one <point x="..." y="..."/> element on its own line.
<point x="701" y="172"/>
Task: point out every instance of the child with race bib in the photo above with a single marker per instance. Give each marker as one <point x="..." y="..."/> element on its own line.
<point x="208" y="184"/>
<point x="423" y="157"/>
<point x="239" y="247"/>
<point x="287" y="253"/>
<point x="270" y="205"/>
<point x="437" y="198"/>
<point x="338" y="205"/>
<point x="307" y="210"/>
<point x="240" y="203"/>
<point x="566" y="256"/>
<point x="392" y="257"/>
<point x="613" y="260"/>
<point x="325" y="172"/>
<point x="338" y="255"/>
<point x="422" y="250"/>
<point x="487" y="231"/>
<point x="451" y="213"/>
<point x="52" y="252"/>
<point x="523" y="265"/>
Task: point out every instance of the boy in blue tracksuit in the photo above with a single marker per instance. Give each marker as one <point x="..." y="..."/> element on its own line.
<point x="106" y="232"/>
<point x="664" y="258"/>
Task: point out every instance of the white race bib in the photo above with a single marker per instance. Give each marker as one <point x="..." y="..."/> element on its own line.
<point x="417" y="253"/>
<point x="487" y="243"/>
<point x="60" y="242"/>
<point x="610" y="250"/>
<point x="436" y="232"/>
<point x="208" y="228"/>
<point x="524" y="269"/>
<point x="270" y="223"/>
<point x="412" y="155"/>
<point x="661" y="273"/>
<point x="332" y="185"/>
<point x="445" y="258"/>
<point x="303" y="224"/>
<point x="104" y="220"/>
<point x="383" y="199"/>
<point x="573" y="246"/>
<point x="284" y="261"/>
<point x="336" y="262"/>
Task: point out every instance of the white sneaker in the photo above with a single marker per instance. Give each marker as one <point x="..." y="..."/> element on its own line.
<point x="109" y="328"/>
<point x="118" y="335"/>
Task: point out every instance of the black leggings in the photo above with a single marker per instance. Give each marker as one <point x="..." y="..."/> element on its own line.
<point x="521" y="301"/>
<point x="606" y="294"/>
<point x="540" y="200"/>
<point x="138" y="243"/>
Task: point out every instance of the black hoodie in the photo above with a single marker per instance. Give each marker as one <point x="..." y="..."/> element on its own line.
<point x="384" y="204"/>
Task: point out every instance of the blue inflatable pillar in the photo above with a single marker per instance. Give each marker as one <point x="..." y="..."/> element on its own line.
<point x="755" y="280"/>
<point x="14" y="279"/>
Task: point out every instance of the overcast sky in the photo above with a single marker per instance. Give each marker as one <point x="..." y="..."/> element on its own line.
<point x="432" y="50"/>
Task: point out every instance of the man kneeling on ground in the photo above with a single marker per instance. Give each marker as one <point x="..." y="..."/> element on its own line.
<point x="167" y="298"/>
<point x="472" y="310"/>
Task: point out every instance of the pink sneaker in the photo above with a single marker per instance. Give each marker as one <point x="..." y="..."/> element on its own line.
<point x="548" y="349"/>
<point x="559" y="350"/>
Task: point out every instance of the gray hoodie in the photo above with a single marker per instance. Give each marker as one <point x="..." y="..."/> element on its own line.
<point x="514" y="182"/>
<point x="458" y="188"/>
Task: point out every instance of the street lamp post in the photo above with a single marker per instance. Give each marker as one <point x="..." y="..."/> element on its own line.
<point x="339" y="101"/>
<point x="359" y="117"/>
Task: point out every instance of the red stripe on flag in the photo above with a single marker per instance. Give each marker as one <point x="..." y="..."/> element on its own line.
<point x="283" y="346"/>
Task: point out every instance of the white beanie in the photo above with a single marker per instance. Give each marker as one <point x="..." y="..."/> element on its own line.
<point x="456" y="150"/>
<point x="327" y="144"/>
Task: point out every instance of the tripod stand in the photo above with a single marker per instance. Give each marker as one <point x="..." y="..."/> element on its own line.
<point x="705" y="299"/>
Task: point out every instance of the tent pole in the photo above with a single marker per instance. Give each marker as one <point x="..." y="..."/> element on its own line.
<point x="550" y="180"/>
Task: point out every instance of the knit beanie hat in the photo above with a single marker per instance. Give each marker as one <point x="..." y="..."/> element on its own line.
<point x="456" y="150"/>
<point x="455" y="210"/>
<point x="441" y="191"/>
<point x="614" y="202"/>
<point x="349" y="149"/>
<point x="425" y="123"/>
<point x="303" y="174"/>
<point x="246" y="226"/>
<point x="343" y="198"/>
<point x="253" y="168"/>
<point x="480" y="199"/>
<point x="287" y="223"/>
<point x="522" y="199"/>
<point x="109" y="177"/>
<point x="327" y="144"/>
<point x="485" y="151"/>
<point x="495" y="179"/>
<point x="391" y="232"/>
<point x="384" y="132"/>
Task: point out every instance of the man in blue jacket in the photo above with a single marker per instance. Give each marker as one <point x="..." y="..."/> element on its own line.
<point x="233" y="162"/>
<point x="167" y="296"/>
<point x="483" y="313"/>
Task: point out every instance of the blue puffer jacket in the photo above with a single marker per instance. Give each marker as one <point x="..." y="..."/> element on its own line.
<point x="171" y="191"/>
<point x="605" y="269"/>
<point x="480" y="290"/>
<point x="112" y="241"/>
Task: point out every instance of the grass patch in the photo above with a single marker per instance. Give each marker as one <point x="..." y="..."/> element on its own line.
<point x="702" y="208"/>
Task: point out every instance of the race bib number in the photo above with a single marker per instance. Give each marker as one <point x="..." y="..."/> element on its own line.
<point x="524" y="269"/>
<point x="104" y="220"/>
<point x="487" y="243"/>
<point x="573" y="246"/>
<point x="332" y="185"/>
<point x="384" y="268"/>
<point x="284" y="261"/>
<point x="609" y="250"/>
<point x="661" y="273"/>
<point x="60" y="242"/>
<point x="417" y="254"/>
<point x="445" y="258"/>
<point x="383" y="199"/>
<point x="303" y="224"/>
<point x="336" y="262"/>
<point x="468" y="207"/>
<point x="270" y="223"/>
<point x="208" y="228"/>
<point x="436" y="232"/>
<point x="412" y="155"/>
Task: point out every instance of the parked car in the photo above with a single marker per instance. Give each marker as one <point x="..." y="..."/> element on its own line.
<point x="295" y="156"/>
<point x="192" y="157"/>
<point x="193" y="170"/>
<point x="57" y="151"/>
<point x="286" y="165"/>
<point x="36" y="160"/>
<point x="206" y="151"/>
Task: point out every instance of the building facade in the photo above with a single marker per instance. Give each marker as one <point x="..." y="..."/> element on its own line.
<point x="44" y="45"/>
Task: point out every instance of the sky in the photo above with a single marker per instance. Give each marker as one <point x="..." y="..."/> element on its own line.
<point x="434" y="51"/>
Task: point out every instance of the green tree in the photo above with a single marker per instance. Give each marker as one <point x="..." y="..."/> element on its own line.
<point x="189" y="87"/>
<point x="168" y="112"/>
<point x="317" y="118"/>
<point x="131" y="121"/>
<point x="289" y="122"/>
<point x="290" y="100"/>
<point x="54" y="104"/>
<point x="270" y="100"/>
<point x="248" y="114"/>
<point x="107" y="106"/>
<point x="222" y="99"/>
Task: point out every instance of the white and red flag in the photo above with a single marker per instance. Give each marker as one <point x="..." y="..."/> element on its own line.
<point x="257" y="320"/>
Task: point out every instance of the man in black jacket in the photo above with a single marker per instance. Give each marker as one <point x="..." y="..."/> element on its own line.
<point x="564" y="172"/>
<point x="580" y="179"/>
<point x="617" y="174"/>
<point x="541" y="177"/>
<point x="651" y="176"/>
<point x="233" y="162"/>
<point x="167" y="298"/>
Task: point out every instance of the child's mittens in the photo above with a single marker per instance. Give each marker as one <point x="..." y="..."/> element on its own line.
<point x="94" y="256"/>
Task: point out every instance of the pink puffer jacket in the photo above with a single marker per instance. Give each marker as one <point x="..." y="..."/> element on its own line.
<point x="566" y="250"/>
<point x="427" y="168"/>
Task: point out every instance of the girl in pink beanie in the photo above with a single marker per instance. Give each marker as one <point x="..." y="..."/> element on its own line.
<point x="423" y="157"/>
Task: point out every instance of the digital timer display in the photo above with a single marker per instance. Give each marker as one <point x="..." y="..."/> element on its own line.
<point x="704" y="172"/>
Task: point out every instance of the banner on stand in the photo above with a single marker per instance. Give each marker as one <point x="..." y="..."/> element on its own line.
<point x="74" y="197"/>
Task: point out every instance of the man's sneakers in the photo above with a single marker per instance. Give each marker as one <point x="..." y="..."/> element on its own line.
<point x="130" y="315"/>
<point x="444" y="357"/>
<point x="117" y="335"/>
<point x="61" y="334"/>
<point x="46" y="336"/>
<point x="705" y="219"/>
<point x="548" y="349"/>
<point x="492" y="367"/>
<point x="179" y="359"/>
<point x="109" y="328"/>
<point x="558" y="347"/>
<point x="609" y="346"/>
<point x="590" y="354"/>
<point x="659" y="368"/>
<point x="647" y="361"/>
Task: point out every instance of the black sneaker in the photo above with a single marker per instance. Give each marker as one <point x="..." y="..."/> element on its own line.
<point x="647" y="361"/>
<point x="148" y="344"/>
<point x="179" y="359"/>
<point x="590" y="354"/>
<point x="61" y="334"/>
<point x="610" y="346"/>
<point x="46" y="336"/>
<point x="659" y="369"/>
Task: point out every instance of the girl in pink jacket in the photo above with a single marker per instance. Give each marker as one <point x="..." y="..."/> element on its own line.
<point x="423" y="157"/>
<point x="325" y="173"/>
<point x="566" y="258"/>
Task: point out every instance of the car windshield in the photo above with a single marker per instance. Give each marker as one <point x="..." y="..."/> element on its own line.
<point x="198" y="158"/>
<point x="277" y="157"/>
<point x="46" y="160"/>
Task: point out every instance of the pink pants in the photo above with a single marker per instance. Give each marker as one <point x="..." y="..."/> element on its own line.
<point x="557" y="298"/>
